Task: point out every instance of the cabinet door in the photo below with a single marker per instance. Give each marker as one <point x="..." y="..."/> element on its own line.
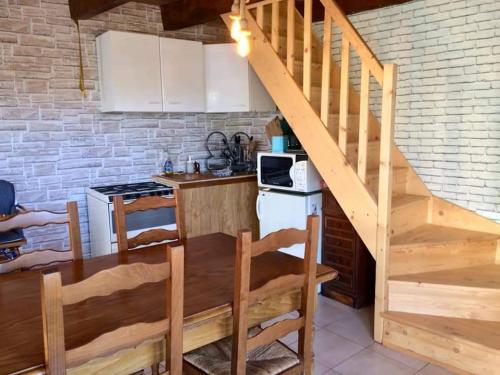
<point x="226" y="81"/>
<point x="129" y="72"/>
<point x="260" y="100"/>
<point x="183" y="75"/>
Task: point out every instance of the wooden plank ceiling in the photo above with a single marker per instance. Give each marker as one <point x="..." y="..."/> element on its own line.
<point x="177" y="14"/>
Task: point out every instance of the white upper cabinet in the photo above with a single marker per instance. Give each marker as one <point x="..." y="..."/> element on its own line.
<point x="129" y="72"/>
<point x="183" y="75"/>
<point x="231" y="84"/>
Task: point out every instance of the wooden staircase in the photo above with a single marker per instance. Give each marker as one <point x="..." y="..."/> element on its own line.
<point x="438" y="265"/>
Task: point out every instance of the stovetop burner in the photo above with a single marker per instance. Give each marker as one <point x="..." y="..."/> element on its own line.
<point x="129" y="188"/>
<point x="133" y="190"/>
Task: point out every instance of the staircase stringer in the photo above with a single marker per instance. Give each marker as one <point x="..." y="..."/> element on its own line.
<point x="352" y="195"/>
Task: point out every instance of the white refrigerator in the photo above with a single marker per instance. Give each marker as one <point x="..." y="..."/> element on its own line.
<point x="281" y="210"/>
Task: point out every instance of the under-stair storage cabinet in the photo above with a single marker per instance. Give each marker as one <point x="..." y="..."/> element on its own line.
<point x="183" y="75"/>
<point x="344" y="250"/>
<point x="231" y="83"/>
<point x="129" y="72"/>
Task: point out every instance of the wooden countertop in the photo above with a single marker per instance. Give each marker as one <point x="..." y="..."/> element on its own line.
<point x="187" y="181"/>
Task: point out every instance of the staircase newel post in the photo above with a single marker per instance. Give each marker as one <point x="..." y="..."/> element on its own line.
<point x="384" y="195"/>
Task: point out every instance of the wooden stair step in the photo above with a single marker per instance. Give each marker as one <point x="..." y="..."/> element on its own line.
<point x="400" y="201"/>
<point x="408" y="212"/>
<point x="373" y="154"/>
<point x="430" y="234"/>
<point x="399" y="178"/>
<point x="299" y="50"/>
<point x="334" y="101"/>
<point x="458" y="344"/>
<point x="352" y="128"/>
<point x="316" y="99"/>
<point x="316" y="72"/>
<point x="468" y="293"/>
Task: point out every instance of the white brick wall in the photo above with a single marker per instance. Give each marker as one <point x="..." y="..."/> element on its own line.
<point x="53" y="142"/>
<point x="448" y="104"/>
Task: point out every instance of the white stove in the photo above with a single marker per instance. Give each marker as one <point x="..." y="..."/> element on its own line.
<point x="101" y="219"/>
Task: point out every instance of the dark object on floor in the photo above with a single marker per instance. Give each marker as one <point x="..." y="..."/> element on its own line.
<point x="344" y="250"/>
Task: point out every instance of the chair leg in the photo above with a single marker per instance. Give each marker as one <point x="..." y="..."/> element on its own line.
<point x="155" y="369"/>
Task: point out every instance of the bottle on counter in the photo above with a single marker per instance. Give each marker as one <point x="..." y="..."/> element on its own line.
<point x="190" y="165"/>
<point x="168" y="167"/>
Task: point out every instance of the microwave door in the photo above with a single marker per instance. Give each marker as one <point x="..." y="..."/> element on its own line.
<point x="276" y="171"/>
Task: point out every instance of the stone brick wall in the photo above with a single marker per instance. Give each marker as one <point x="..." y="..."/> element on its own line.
<point x="448" y="104"/>
<point x="53" y="142"/>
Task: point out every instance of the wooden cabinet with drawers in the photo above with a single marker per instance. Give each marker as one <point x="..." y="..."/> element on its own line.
<point x="344" y="250"/>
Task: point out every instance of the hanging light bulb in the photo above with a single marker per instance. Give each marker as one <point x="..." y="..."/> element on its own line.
<point x="243" y="45"/>
<point x="243" y="41"/>
<point x="236" y="29"/>
<point x="236" y="17"/>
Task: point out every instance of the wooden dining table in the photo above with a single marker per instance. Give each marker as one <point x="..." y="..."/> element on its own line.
<point x="209" y="267"/>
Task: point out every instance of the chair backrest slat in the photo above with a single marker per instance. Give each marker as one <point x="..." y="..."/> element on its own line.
<point x="123" y="277"/>
<point x="151" y="236"/>
<point x="276" y="240"/>
<point x="29" y="219"/>
<point x="42" y="258"/>
<point x="149" y="203"/>
<point x="276" y="331"/>
<point x="36" y="259"/>
<point x="276" y="286"/>
<point x="121" y="210"/>
<point x="243" y="297"/>
<point x="117" y="340"/>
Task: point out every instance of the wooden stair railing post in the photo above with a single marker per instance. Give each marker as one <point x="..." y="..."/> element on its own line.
<point x="384" y="196"/>
<point x="290" y="37"/>
<point x="344" y="94"/>
<point x="326" y="73"/>
<point x="275" y="25"/>
<point x="363" y="121"/>
<point x="260" y="16"/>
<point x="306" y="83"/>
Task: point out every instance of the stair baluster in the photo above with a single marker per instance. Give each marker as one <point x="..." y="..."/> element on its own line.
<point x="275" y="26"/>
<point x="363" y="121"/>
<point x="326" y="69"/>
<point x="306" y="82"/>
<point x="344" y="94"/>
<point x="290" y="37"/>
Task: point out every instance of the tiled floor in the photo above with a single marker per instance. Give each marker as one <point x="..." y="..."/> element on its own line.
<point x="344" y="344"/>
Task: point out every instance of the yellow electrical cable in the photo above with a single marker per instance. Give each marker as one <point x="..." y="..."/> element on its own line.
<point x="82" y="73"/>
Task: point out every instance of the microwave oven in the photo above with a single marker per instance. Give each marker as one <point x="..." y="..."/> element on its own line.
<point x="287" y="171"/>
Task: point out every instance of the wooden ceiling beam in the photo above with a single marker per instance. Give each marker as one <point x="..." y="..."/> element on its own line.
<point x="85" y="9"/>
<point x="184" y="13"/>
<point x="178" y="14"/>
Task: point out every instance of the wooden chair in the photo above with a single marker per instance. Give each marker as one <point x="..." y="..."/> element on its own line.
<point x="43" y="258"/>
<point x="258" y="351"/>
<point x="104" y="283"/>
<point x="150" y="236"/>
